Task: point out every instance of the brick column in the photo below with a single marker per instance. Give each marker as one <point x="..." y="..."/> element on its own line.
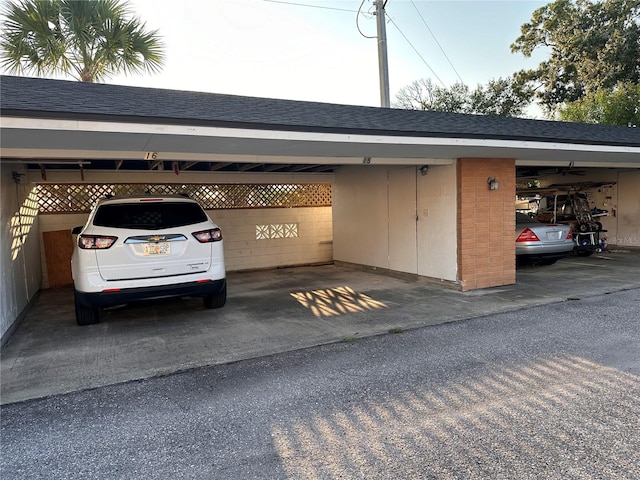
<point x="486" y="223"/>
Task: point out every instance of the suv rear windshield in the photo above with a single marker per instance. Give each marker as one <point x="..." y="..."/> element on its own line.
<point x="149" y="216"/>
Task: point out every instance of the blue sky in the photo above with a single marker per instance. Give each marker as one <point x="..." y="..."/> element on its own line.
<point x="281" y="50"/>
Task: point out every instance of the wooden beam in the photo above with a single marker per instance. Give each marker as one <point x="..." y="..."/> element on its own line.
<point x="154" y="164"/>
<point x="273" y="167"/>
<point x="187" y="165"/>
<point x="218" y="166"/>
<point x="324" y="168"/>
<point x="247" y="166"/>
<point x="299" y="168"/>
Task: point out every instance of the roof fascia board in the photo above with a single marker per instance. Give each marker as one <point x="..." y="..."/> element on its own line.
<point x="38" y="156"/>
<point x="579" y="164"/>
<point x="151" y="129"/>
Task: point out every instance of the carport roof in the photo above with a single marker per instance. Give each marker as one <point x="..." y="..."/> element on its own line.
<point x="46" y="120"/>
<point x="34" y="97"/>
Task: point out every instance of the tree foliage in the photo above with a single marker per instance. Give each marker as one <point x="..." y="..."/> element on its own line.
<point x="90" y="40"/>
<point x="593" y="45"/>
<point x="424" y="95"/>
<point x="499" y="97"/>
<point x="620" y="106"/>
<point x="502" y="97"/>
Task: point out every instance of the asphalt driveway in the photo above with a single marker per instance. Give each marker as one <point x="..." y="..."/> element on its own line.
<point x="268" y="312"/>
<point x="543" y="392"/>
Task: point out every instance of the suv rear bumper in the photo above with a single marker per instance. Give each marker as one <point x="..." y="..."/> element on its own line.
<point x="117" y="297"/>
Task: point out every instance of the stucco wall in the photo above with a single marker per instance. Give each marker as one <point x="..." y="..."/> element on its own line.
<point x="20" y="255"/>
<point x="396" y="218"/>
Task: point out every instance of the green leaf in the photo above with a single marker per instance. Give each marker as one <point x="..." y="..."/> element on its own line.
<point x="90" y="40"/>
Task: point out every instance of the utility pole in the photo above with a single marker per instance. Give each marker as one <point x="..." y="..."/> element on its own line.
<point x="383" y="65"/>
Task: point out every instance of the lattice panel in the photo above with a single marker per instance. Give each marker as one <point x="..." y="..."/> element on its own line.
<point x="80" y="197"/>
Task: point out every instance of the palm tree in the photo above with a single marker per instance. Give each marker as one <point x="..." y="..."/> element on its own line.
<point x="91" y="40"/>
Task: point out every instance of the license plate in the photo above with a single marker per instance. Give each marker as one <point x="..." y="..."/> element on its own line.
<point x="160" y="248"/>
<point x="554" y="235"/>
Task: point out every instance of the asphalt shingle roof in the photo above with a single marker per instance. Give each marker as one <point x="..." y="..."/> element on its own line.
<point x="36" y="97"/>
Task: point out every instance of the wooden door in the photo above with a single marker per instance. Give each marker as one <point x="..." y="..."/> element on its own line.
<point x="58" y="246"/>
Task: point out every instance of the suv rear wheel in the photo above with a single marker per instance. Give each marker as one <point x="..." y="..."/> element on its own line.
<point x="85" y="315"/>
<point x="216" y="300"/>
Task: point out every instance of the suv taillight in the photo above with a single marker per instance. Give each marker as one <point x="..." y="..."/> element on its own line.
<point x="527" y="235"/>
<point x="206" y="236"/>
<point x="88" y="242"/>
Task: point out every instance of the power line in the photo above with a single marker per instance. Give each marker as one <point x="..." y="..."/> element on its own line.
<point x="358" y="23"/>
<point x="437" y="42"/>
<point x="312" y="6"/>
<point x="358" y="12"/>
<point x="417" y="52"/>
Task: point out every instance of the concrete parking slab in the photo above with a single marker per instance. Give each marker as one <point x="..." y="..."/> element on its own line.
<point x="268" y="312"/>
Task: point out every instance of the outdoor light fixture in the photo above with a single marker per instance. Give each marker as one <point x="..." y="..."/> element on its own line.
<point x="424" y="169"/>
<point x="493" y="183"/>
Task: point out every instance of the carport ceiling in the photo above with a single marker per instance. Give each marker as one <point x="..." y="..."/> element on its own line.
<point x="53" y="123"/>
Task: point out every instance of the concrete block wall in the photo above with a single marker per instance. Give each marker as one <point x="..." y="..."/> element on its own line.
<point x="242" y="250"/>
<point x="486" y="223"/>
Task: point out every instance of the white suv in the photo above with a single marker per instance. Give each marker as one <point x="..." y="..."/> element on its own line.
<point x="144" y="247"/>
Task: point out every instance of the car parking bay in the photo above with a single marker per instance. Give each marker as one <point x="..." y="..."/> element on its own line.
<point x="267" y="312"/>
